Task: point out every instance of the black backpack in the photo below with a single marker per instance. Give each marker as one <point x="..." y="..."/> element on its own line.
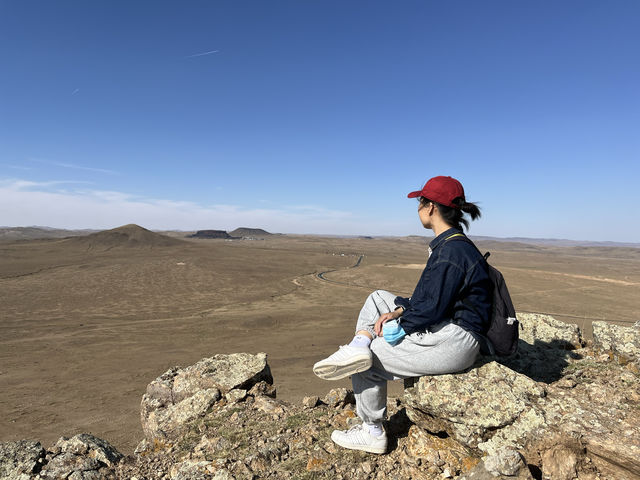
<point x="503" y="324"/>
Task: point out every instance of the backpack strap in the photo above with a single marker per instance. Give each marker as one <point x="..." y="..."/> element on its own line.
<point x="462" y="236"/>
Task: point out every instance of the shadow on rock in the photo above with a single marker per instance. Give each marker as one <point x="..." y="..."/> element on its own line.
<point x="541" y="361"/>
<point x="397" y="427"/>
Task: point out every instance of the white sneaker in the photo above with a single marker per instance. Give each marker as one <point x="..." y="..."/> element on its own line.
<point x="346" y="361"/>
<point x="359" y="438"/>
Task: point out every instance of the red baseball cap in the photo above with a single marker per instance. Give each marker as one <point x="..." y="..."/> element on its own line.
<point x="443" y="190"/>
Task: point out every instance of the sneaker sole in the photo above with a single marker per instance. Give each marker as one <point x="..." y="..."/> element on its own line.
<point x="337" y="371"/>
<point x="363" y="448"/>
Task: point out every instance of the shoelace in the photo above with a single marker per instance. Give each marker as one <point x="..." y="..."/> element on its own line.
<point x="354" y="428"/>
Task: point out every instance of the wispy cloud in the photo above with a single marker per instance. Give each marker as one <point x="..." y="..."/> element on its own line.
<point x="75" y="91"/>
<point x="202" y="54"/>
<point x="24" y="202"/>
<point x="89" y="169"/>
<point x="17" y="167"/>
<point x="29" y="184"/>
<point x="75" y="167"/>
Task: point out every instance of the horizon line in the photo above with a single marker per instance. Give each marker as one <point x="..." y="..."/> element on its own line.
<point x="518" y="239"/>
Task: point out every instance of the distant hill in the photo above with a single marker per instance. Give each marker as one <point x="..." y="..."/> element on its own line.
<point x="556" y="242"/>
<point x="127" y="236"/>
<point x="528" y="243"/>
<point x="210" y="234"/>
<point x="250" y="232"/>
<point x="13" y="234"/>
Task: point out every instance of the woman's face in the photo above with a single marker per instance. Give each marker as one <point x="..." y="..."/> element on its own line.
<point x="425" y="212"/>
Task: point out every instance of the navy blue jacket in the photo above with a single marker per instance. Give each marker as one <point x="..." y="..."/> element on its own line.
<point x="455" y="272"/>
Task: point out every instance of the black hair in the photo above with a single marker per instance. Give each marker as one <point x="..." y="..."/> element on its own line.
<point x="455" y="216"/>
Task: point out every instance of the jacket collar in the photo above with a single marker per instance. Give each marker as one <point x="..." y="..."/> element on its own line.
<point x="439" y="240"/>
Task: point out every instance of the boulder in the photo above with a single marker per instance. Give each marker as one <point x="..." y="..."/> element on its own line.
<point x="311" y="401"/>
<point x="570" y="425"/>
<point x="82" y="457"/>
<point x="477" y="405"/>
<point x="602" y="411"/>
<point x="20" y="460"/>
<point x="181" y="395"/>
<point x="433" y="449"/>
<point x="491" y="407"/>
<point x="560" y="463"/>
<point x="263" y="389"/>
<point x="506" y="463"/>
<point x="539" y="329"/>
<point x="339" y="397"/>
<point x="621" y="343"/>
<point x="167" y="423"/>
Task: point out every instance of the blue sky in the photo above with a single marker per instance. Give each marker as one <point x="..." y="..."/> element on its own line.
<point x="320" y="116"/>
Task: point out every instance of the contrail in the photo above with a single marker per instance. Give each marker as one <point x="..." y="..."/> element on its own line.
<point x="202" y="54"/>
<point x="75" y="91"/>
<point x="73" y="166"/>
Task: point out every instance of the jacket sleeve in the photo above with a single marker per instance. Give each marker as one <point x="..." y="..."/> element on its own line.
<point x="403" y="302"/>
<point x="434" y="297"/>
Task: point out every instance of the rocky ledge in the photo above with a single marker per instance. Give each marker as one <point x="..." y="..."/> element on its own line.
<point x="558" y="409"/>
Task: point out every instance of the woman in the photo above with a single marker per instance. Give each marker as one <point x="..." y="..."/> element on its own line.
<point x="435" y="331"/>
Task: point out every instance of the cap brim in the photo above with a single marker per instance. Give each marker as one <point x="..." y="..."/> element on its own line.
<point x="415" y="194"/>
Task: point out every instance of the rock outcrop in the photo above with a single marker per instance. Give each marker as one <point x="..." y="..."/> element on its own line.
<point x="559" y="409"/>
<point x="564" y="406"/>
<point x="180" y="396"/>
<point x="505" y="463"/>
<point x="622" y="344"/>
<point x="20" y="460"/>
<point x="476" y="406"/>
<point x="82" y="457"/>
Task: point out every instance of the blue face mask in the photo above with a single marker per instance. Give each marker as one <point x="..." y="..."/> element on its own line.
<point x="392" y="332"/>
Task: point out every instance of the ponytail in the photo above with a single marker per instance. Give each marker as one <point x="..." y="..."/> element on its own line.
<point x="454" y="216"/>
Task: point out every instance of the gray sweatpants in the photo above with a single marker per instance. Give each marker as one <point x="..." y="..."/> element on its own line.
<point x="445" y="348"/>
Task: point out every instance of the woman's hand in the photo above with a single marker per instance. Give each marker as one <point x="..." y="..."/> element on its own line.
<point x="385" y="317"/>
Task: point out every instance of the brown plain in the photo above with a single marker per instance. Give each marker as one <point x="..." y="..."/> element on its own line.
<point x="87" y="322"/>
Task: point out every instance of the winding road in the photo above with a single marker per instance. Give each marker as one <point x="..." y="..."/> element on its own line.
<point x="321" y="275"/>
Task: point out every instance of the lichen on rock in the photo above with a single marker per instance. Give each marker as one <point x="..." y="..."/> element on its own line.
<point x="20" y="460"/>
<point x="537" y="328"/>
<point x="622" y="343"/>
<point x="474" y="405"/>
<point x="82" y="457"/>
<point x="181" y="395"/>
<point x="552" y="388"/>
